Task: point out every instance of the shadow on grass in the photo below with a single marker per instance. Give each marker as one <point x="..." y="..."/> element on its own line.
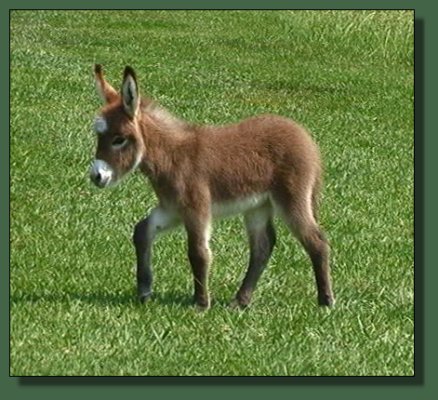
<point x="95" y="298"/>
<point x="101" y="298"/>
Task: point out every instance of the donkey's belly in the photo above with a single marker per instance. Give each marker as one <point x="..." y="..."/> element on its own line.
<point x="239" y="206"/>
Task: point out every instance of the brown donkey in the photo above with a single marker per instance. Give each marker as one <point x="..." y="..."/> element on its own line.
<point x="253" y="167"/>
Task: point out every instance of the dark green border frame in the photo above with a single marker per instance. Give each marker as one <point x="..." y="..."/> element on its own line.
<point x="421" y="386"/>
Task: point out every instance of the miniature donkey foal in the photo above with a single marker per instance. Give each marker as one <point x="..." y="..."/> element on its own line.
<point x="253" y="167"/>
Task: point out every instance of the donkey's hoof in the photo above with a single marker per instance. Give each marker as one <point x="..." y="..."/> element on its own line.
<point x="326" y="301"/>
<point x="144" y="296"/>
<point x="238" y="305"/>
<point x="202" y="305"/>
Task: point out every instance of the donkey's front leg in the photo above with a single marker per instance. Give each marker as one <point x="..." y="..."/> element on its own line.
<point x="159" y="220"/>
<point x="198" y="235"/>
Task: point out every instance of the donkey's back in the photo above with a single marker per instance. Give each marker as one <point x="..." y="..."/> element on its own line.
<point x="254" y="156"/>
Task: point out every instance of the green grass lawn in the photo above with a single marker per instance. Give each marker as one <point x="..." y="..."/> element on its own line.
<point x="346" y="75"/>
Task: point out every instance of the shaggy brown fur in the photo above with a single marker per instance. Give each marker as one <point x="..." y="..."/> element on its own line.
<point x="253" y="166"/>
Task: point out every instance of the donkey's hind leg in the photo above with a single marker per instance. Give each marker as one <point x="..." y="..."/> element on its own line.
<point x="298" y="214"/>
<point x="261" y="235"/>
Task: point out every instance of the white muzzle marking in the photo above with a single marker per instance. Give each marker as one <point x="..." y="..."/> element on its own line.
<point x="101" y="173"/>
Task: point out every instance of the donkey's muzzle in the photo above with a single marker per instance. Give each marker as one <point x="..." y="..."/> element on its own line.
<point x="101" y="173"/>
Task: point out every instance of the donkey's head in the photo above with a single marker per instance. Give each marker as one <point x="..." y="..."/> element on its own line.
<point x="119" y="141"/>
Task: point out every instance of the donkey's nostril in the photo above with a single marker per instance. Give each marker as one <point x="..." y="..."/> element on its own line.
<point x="101" y="173"/>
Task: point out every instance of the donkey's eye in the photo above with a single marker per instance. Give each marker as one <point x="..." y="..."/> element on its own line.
<point x="119" y="141"/>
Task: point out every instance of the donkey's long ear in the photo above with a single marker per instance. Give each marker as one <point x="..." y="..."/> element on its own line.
<point x="130" y="95"/>
<point x="105" y="90"/>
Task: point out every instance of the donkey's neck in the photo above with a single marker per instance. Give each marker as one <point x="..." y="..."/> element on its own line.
<point x="164" y="119"/>
<point x="163" y="136"/>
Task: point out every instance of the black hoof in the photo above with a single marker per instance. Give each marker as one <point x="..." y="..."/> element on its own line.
<point x="238" y="305"/>
<point x="144" y="296"/>
<point x="201" y="304"/>
<point x="326" y="301"/>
